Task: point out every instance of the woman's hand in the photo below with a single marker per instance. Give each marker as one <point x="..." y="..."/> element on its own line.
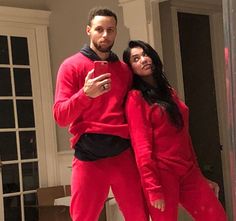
<point x="159" y="204"/>
<point x="214" y="186"/>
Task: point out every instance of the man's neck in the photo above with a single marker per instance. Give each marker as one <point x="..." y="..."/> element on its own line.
<point x="102" y="55"/>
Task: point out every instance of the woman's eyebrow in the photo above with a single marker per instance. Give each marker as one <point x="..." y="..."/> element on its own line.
<point x="134" y="55"/>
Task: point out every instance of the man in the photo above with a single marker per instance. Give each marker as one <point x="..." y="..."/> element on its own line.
<point x="94" y="108"/>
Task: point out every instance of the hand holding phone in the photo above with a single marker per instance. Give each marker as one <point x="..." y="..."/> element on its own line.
<point x="98" y="80"/>
<point x="100" y="67"/>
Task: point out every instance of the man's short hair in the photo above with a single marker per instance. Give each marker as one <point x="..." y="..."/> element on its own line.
<point x="98" y="11"/>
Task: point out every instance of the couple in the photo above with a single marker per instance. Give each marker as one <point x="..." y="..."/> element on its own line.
<point x="98" y="110"/>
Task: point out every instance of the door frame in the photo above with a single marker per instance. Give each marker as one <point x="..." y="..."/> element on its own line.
<point x="36" y="22"/>
<point x="216" y="29"/>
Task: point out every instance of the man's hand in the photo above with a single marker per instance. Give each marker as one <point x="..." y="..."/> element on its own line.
<point x="94" y="87"/>
<point x="159" y="204"/>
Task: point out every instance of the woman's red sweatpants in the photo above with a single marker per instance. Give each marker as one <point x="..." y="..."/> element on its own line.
<point x="90" y="185"/>
<point x="193" y="192"/>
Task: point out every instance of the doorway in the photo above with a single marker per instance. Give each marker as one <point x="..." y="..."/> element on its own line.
<point x="200" y="96"/>
<point x="193" y="56"/>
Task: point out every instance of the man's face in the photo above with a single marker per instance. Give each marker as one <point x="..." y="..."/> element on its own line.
<point x="102" y="33"/>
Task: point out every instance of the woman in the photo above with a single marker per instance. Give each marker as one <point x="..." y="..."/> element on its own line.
<point x="159" y="130"/>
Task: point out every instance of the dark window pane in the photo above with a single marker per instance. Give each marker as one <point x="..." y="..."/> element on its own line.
<point x="30" y="199"/>
<point x="31" y="211"/>
<point x="5" y="82"/>
<point x="8" y="149"/>
<point x="20" y="50"/>
<point x="25" y="113"/>
<point x="7" y="119"/>
<point x="30" y="176"/>
<point x="4" y="55"/>
<point x="28" y="145"/>
<point x="10" y="177"/>
<point x="22" y="82"/>
<point x="12" y="208"/>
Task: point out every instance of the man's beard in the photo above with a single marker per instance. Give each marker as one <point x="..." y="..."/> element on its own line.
<point x="103" y="50"/>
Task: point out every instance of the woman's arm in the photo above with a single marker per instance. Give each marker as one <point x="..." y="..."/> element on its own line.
<point x="142" y="141"/>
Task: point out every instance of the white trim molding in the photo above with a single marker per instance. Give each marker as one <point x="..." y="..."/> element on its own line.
<point x="27" y="16"/>
<point x="64" y="159"/>
<point x="138" y="18"/>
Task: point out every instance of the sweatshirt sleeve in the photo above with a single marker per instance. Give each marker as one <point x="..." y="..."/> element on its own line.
<point x="141" y="137"/>
<point x="70" y="100"/>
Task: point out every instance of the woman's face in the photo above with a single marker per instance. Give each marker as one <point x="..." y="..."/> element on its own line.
<point x="140" y="62"/>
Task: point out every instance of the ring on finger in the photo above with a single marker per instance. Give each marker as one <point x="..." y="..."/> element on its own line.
<point x="105" y="86"/>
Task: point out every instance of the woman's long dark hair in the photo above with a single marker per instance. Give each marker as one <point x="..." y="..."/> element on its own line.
<point x="162" y="93"/>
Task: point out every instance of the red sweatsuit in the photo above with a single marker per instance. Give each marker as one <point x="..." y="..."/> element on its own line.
<point x="91" y="180"/>
<point x="167" y="162"/>
<point x="103" y="114"/>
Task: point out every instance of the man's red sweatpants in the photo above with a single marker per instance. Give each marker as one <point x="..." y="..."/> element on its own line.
<point x="193" y="192"/>
<point x="90" y="185"/>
